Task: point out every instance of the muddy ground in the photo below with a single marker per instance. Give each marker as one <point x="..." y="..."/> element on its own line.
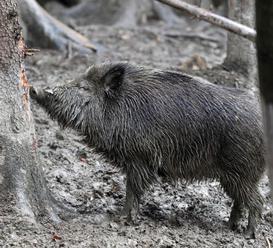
<point x="182" y="215"/>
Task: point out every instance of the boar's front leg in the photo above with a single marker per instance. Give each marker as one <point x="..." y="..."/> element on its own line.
<point x="131" y="206"/>
<point x="138" y="178"/>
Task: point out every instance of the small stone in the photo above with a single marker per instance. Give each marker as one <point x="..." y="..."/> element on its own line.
<point x="59" y="135"/>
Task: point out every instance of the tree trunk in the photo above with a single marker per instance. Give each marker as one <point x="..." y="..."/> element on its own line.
<point x="22" y="186"/>
<point x="241" y="53"/>
<point x="264" y="22"/>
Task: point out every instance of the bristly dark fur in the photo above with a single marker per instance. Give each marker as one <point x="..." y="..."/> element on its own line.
<point x="149" y="121"/>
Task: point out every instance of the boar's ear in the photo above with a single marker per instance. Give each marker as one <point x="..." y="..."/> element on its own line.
<point x="113" y="79"/>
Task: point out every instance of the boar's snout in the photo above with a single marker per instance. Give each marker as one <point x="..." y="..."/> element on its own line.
<point x="38" y="93"/>
<point x="34" y="92"/>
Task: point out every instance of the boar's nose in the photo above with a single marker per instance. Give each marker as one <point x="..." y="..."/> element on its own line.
<point x="38" y="92"/>
<point x="33" y="92"/>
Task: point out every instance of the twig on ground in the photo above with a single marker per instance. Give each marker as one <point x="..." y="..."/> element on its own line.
<point x="267" y="242"/>
<point x="192" y="36"/>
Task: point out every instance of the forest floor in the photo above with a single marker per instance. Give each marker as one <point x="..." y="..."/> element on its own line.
<point x="182" y="215"/>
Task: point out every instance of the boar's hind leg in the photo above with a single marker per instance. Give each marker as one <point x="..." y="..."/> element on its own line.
<point x="237" y="208"/>
<point x="244" y="194"/>
<point x="138" y="179"/>
<point x="235" y="215"/>
<point x="254" y="204"/>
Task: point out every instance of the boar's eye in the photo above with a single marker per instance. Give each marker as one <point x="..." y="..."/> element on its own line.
<point x="113" y="79"/>
<point x="83" y="85"/>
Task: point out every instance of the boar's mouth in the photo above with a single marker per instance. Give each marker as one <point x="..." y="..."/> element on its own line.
<point x="62" y="104"/>
<point x="39" y="94"/>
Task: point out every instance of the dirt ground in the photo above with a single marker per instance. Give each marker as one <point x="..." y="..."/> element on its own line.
<point x="183" y="215"/>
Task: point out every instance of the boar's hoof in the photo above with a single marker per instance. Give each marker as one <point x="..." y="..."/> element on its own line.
<point x="130" y="216"/>
<point x="249" y="233"/>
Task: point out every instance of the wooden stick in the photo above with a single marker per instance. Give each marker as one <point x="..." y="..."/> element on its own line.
<point x="212" y="18"/>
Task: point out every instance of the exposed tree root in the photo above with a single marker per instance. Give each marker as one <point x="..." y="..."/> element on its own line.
<point x="46" y="31"/>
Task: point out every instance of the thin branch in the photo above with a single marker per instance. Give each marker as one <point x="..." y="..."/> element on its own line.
<point x="212" y="18"/>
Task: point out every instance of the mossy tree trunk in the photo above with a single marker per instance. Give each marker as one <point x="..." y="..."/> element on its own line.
<point x="22" y="186"/>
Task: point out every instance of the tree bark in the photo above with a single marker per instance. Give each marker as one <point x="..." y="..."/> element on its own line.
<point x="241" y="53"/>
<point x="264" y="22"/>
<point x="22" y="185"/>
